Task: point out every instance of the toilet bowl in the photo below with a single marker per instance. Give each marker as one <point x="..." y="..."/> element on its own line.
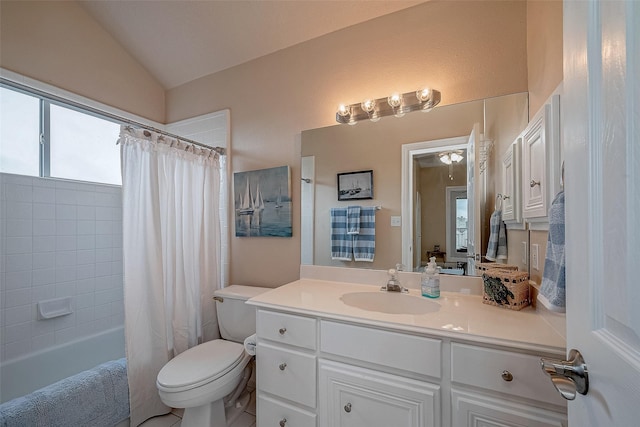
<point x="200" y="378"/>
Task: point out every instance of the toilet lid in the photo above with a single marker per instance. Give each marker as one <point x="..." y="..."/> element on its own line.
<point x="201" y="364"/>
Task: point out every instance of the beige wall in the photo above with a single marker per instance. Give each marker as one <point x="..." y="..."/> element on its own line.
<point x="468" y="50"/>
<point x="60" y="44"/>
<point x="544" y="50"/>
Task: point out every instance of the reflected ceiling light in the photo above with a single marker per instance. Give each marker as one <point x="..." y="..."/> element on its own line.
<point x="396" y="104"/>
<point x="449" y="157"/>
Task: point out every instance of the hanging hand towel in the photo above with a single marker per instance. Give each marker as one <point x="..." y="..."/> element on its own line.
<point x="341" y="243"/>
<point x="497" y="247"/>
<point x="353" y="220"/>
<point x="364" y="243"/>
<point x="552" y="290"/>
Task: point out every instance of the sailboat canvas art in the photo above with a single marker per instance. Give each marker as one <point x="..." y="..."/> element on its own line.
<point x="262" y="201"/>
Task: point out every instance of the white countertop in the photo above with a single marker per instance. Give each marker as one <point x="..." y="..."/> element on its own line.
<point x="457" y="315"/>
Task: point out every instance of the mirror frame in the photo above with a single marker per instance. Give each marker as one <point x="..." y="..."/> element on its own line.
<point x="409" y="152"/>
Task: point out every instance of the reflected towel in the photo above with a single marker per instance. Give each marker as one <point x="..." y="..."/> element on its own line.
<point x="552" y="290"/>
<point x="353" y="220"/>
<point x="364" y="243"/>
<point x="497" y="247"/>
<point x="341" y="243"/>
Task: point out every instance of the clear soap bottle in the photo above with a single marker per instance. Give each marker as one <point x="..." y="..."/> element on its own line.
<point x="430" y="283"/>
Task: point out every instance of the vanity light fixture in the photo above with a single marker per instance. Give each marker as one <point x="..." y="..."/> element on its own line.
<point x="396" y="104"/>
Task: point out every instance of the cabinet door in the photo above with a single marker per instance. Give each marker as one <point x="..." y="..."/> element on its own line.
<point x="351" y="396"/>
<point x="478" y="410"/>
<point x="511" y="186"/>
<point x="534" y="164"/>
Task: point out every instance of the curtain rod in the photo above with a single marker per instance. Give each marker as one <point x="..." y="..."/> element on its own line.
<point x="100" y="113"/>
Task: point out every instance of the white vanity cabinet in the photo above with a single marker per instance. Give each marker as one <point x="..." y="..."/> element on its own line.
<point x="511" y="183"/>
<point x="492" y="387"/>
<point x="324" y="372"/>
<point x="286" y="369"/>
<point x="541" y="162"/>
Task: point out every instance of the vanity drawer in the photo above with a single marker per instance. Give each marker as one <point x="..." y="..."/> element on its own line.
<point x="286" y="373"/>
<point x="287" y="329"/>
<point x="484" y="367"/>
<point x="396" y="350"/>
<point x="273" y="413"/>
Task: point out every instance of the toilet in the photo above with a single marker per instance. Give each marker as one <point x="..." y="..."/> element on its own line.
<point x="205" y="377"/>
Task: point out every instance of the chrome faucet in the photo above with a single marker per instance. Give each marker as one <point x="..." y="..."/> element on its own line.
<point x="393" y="284"/>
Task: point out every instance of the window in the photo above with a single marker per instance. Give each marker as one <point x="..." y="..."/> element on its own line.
<point x="76" y="144"/>
<point x="457" y="223"/>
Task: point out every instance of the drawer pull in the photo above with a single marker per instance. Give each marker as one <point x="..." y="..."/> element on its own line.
<point x="507" y="376"/>
<point x="282" y="331"/>
<point x="282" y="366"/>
<point x="347" y="407"/>
<point x="283" y="422"/>
<point x="533" y="183"/>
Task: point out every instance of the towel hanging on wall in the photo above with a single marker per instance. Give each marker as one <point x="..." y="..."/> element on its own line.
<point x="552" y="290"/>
<point x="341" y="243"/>
<point x="364" y="243"/>
<point x="497" y="247"/>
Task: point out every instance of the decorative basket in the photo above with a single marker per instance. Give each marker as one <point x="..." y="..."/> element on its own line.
<point x="506" y="288"/>
<point x="484" y="266"/>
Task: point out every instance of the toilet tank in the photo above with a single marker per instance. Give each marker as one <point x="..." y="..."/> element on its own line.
<point x="236" y="319"/>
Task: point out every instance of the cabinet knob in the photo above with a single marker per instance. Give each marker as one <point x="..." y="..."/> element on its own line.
<point x="533" y="183"/>
<point x="282" y="366"/>
<point x="283" y="422"/>
<point x="347" y="407"/>
<point x="507" y="376"/>
<point x="282" y="331"/>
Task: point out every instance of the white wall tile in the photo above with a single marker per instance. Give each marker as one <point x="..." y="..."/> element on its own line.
<point x="65" y="258"/>
<point x="44" y="227"/>
<point x="66" y="243"/>
<point x="44" y="292"/>
<point x="67" y="289"/>
<point x="104" y="255"/>
<point x="65" y="197"/>
<point x="15" y="315"/>
<point x="103" y="283"/>
<point x="43" y="260"/>
<point x="18" y="262"/>
<point x="103" y="269"/>
<point x="86" y="271"/>
<point x="45" y="182"/>
<point x="17" y="279"/>
<point x="43" y="195"/>
<point x="41" y="327"/>
<point x="85" y="285"/>
<point x="19" y="210"/>
<point x="102" y="311"/>
<point x="43" y="276"/>
<point x="19" y="228"/>
<point x="104" y="227"/>
<point x="16" y="349"/>
<point x="16" y="332"/>
<point x="44" y="243"/>
<point x="85" y="241"/>
<point x="85" y="300"/>
<point x="85" y="315"/>
<point x="86" y="227"/>
<point x="64" y="322"/>
<point x="16" y="297"/>
<point x="18" y="193"/>
<point x="85" y="329"/>
<point x="86" y="198"/>
<point x="104" y="241"/>
<point x="9" y="178"/>
<point x="86" y="257"/>
<point x="44" y="211"/>
<point x="66" y="212"/>
<point x="86" y="213"/>
<point x="18" y="245"/>
<point x="63" y="336"/>
<point x="65" y="274"/>
<point x="42" y="342"/>
<point x="66" y="227"/>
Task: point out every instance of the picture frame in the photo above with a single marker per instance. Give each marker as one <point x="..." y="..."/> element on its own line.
<point x="262" y="202"/>
<point x="355" y="185"/>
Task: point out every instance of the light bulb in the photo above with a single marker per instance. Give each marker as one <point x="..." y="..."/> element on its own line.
<point x="423" y="95"/>
<point x="394" y="100"/>
<point x="445" y="158"/>
<point x="368" y="105"/>
<point x="456" y="157"/>
<point x="344" y="110"/>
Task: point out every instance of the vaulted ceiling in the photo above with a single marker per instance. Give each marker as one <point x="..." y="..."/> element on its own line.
<point x="181" y="40"/>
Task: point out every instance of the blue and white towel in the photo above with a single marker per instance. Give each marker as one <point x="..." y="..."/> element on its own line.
<point x="497" y="247"/>
<point x="364" y="243"/>
<point x="552" y="290"/>
<point x="341" y="243"/>
<point x="353" y="220"/>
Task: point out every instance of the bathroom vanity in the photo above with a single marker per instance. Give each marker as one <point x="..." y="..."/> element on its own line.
<point x="345" y="354"/>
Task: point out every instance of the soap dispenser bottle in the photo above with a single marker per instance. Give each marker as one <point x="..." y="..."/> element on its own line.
<point x="430" y="283"/>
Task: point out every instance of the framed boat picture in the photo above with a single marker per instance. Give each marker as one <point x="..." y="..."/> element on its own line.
<point x="262" y="201"/>
<point x="355" y="185"/>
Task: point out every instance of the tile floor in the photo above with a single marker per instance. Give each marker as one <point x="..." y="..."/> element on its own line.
<point x="246" y="419"/>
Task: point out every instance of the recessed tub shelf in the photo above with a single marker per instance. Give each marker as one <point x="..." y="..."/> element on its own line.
<point x="52" y="308"/>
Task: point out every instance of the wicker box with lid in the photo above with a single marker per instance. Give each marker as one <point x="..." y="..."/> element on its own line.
<point x="484" y="266"/>
<point x="506" y="288"/>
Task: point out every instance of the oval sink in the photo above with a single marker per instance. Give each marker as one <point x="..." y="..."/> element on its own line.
<point x="390" y="302"/>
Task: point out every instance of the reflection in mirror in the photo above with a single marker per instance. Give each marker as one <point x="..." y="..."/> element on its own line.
<point x="329" y="151"/>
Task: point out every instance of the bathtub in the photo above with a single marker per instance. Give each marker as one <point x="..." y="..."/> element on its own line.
<point x="33" y="371"/>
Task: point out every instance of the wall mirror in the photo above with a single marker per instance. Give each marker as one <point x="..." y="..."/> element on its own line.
<point x="390" y="148"/>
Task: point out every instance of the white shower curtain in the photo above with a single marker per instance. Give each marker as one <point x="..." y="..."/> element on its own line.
<point x="172" y="257"/>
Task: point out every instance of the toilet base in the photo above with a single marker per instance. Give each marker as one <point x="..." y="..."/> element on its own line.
<point x="210" y="415"/>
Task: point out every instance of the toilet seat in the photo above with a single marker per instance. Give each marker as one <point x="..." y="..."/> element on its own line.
<point x="200" y="365"/>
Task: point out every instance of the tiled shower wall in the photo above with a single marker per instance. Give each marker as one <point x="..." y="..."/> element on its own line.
<point x="58" y="238"/>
